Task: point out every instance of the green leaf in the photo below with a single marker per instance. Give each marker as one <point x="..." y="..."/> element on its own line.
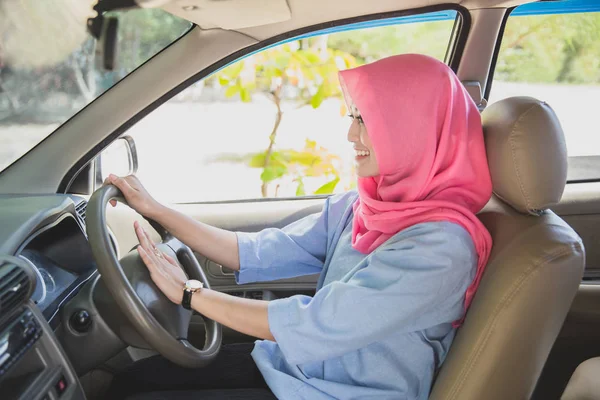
<point x="329" y="187"/>
<point x="300" y="57"/>
<point x="318" y="98"/>
<point x="271" y="173"/>
<point x="223" y="81"/>
<point x="232" y="90"/>
<point x="282" y="61"/>
<point x="245" y="95"/>
<point x="300" y="189"/>
<point x="349" y="60"/>
<point x="234" y="70"/>
<point x="308" y="73"/>
<point x="304" y="158"/>
<point x="312" y="57"/>
<point x="279" y="158"/>
<point x="310" y="144"/>
<point x="257" y="160"/>
<point x="308" y="58"/>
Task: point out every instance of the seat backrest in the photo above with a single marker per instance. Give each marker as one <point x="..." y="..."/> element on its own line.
<point x="534" y="269"/>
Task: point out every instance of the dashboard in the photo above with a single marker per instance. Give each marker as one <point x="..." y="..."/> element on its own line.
<point x="47" y="236"/>
<point x="51" y="280"/>
<point x="56" y="331"/>
<point x="61" y="258"/>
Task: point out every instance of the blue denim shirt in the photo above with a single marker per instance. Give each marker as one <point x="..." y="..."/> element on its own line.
<point x="378" y="326"/>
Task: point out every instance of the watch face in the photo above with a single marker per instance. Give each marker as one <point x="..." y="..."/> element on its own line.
<point x="193" y="284"/>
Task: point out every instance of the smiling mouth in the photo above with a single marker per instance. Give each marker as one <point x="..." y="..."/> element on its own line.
<point x="360" y="154"/>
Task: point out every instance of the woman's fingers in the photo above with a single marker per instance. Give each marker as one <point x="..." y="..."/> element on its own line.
<point x="147" y="260"/>
<point x="175" y="264"/>
<point x="163" y="267"/>
<point x="126" y="185"/>
<point x="164" y="270"/>
<point x="149" y="239"/>
<point x="133" y="181"/>
<point x="157" y="261"/>
<point x="143" y="238"/>
<point x="108" y="182"/>
<point x="149" y="247"/>
<point x="122" y="184"/>
<point x="171" y="260"/>
<point x="152" y="247"/>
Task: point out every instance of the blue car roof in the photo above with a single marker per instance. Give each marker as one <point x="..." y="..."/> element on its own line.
<point x="537" y="8"/>
<point x="558" y="7"/>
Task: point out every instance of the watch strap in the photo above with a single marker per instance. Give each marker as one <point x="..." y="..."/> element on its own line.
<point x="186" y="302"/>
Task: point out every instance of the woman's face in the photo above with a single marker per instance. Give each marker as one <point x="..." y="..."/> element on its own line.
<point x="365" y="161"/>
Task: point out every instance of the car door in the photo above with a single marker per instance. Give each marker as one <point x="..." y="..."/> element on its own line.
<point x="550" y="51"/>
<point x="262" y="142"/>
<point x="204" y="151"/>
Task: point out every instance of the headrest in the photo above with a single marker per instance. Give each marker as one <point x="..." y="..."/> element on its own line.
<point x="526" y="152"/>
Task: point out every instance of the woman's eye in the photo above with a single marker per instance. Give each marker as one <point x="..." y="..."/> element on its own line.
<point x="359" y="118"/>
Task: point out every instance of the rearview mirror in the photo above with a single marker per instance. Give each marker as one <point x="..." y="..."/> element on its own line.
<point x="105" y="30"/>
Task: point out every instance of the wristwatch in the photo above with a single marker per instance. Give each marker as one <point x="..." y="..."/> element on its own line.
<point x="189" y="288"/>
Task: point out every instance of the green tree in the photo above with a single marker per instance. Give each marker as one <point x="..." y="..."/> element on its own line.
<point x="142" y="34"/>
<point x="301" y="72"/>
<point x="551" y="48"/>
<point x="53" y="84"/>
<point x="430" y="38"/>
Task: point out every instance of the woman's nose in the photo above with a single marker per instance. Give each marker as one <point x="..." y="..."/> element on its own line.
<point x="353" y="133"/>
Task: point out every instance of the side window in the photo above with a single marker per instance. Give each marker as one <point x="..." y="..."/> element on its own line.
<point x="274" y="123"/>
<point x="556" y="58"/>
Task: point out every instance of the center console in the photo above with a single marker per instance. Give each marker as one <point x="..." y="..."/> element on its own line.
<point x="33" y="366"/>
<point x="32" y="363"/>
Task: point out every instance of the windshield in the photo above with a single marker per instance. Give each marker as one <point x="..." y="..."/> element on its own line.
<point x="52" y="65"/>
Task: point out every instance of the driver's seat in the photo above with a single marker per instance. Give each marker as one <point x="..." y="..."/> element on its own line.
<point x="536" y="264"/>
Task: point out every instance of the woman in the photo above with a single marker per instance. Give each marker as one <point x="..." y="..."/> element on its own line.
<point x="399" y="260"/>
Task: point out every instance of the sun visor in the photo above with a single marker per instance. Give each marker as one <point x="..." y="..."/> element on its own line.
<point x="226" y="14"/>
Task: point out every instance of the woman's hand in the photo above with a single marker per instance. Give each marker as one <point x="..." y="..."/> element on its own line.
<point x="135" y="193"/>
<point x="244" y="315"/>
<point x="164" y="270"/>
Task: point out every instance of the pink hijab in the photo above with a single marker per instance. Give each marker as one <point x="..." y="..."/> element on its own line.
<point x="427" y="136"/>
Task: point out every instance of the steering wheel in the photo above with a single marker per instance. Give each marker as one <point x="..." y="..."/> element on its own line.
<point x="162" y="324"/>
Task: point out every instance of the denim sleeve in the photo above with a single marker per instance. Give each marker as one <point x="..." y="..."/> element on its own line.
<point x="413" y="283"/>
<point x="297" y="249"/>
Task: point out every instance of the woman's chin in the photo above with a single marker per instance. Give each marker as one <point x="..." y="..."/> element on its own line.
<point x="366" y="173"/>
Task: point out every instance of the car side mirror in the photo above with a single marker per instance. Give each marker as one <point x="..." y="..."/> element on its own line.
<point x="119" y="158"/>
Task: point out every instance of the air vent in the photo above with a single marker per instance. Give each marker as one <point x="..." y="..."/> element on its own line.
<point x="80" y="209"/>
<point x="14" y="287"/>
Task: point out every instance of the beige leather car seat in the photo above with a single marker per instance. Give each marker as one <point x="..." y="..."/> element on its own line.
<point x="585" y="382"/>
<point x="535" y="267"/>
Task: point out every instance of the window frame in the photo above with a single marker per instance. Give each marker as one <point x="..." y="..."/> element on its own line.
<point x="456" y="44"/>
<point x="72" y="174"/>
<point x="577" y="171"/>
